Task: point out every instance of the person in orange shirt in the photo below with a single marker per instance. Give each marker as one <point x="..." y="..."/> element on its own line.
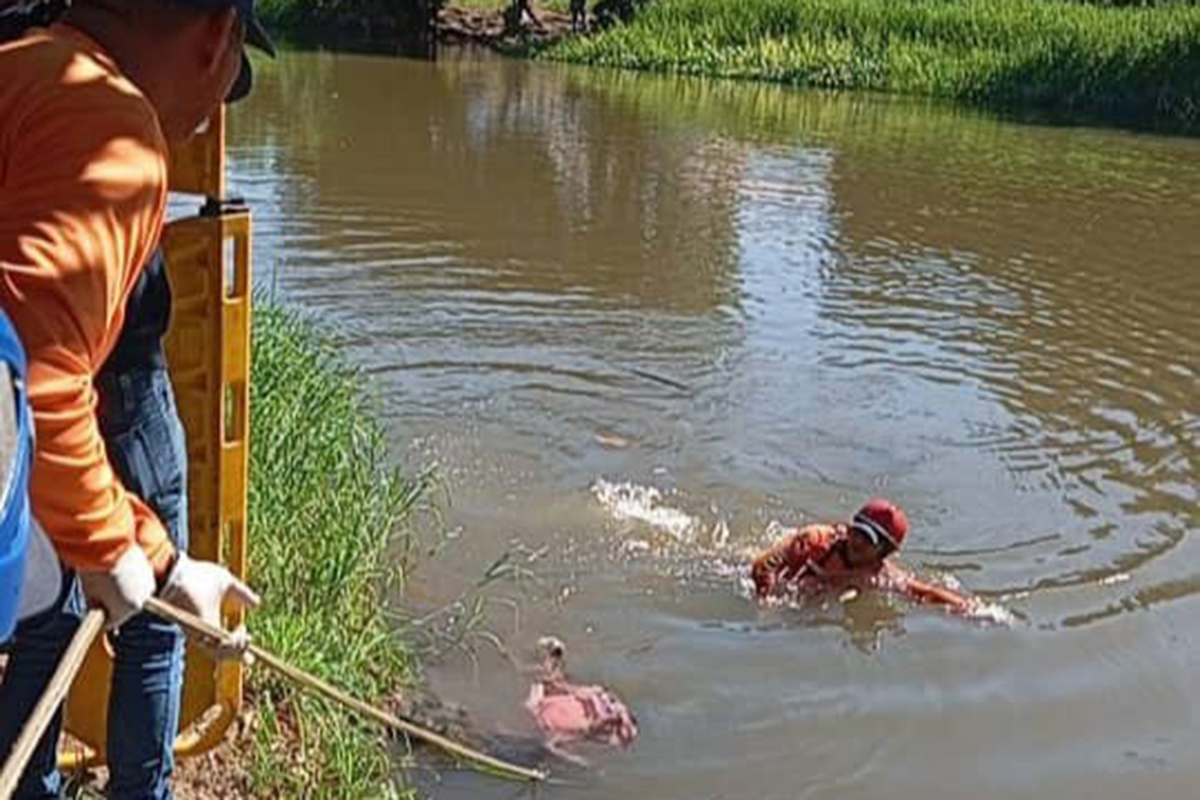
<point x="818" y="558"/>
<point x="87" y="108"/>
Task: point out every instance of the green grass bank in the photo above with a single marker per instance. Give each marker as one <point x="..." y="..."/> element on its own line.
<point x="327" y="535"/>
<point x="1137" y="64"/>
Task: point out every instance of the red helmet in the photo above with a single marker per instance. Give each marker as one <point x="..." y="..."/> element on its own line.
<point x="882" y="520"/>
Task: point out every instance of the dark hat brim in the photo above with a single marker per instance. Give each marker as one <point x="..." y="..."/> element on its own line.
<point x="243" y="82"/>
<point x="874" y="531"/>
<point x="256" y="36"/>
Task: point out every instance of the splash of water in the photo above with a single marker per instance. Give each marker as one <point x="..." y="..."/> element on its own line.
<point x="720" y="534"/>
<point x="992" y="612"/>
<point x="979" y="610"/>
<point x="632" y="502"/>
<point x="629" y="501"/>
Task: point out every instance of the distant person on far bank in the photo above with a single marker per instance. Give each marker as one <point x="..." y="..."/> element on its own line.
<point x="578" y="16"/>
<point x="514" y="17"/>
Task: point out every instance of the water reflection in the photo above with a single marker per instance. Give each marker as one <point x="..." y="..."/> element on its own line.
<point x="1028" y="276"/>
<point x="525" y="184"/>
<point x="988" y="287"/>
<point x="867" y="619"/>
<point x="1011" y="265"/>
<point x="769" y="304"/>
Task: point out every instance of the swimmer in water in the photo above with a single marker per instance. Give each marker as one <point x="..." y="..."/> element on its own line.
<point x="818" y="558"/>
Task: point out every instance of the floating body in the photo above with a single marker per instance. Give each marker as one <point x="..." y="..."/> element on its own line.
<point x="568" y="712"/>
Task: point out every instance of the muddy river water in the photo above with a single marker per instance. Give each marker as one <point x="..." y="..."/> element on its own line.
<point x="640" y="323"/>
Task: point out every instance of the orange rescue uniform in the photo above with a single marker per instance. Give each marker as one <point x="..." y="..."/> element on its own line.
<point x="808" y="558"/>
<point x="83" y="184"/>
<point x="813" y="558"/>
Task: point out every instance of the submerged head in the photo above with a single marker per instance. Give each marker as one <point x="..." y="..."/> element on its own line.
<point x="552" y="652"/>
<point x="877" y="531"/>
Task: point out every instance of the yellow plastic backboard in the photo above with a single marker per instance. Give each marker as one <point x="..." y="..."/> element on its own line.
<point x="208" y="350"/>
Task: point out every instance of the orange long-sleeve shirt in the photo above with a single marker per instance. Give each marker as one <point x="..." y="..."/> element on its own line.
<point x="808" y="560"/>
<point x="83" y="182"/>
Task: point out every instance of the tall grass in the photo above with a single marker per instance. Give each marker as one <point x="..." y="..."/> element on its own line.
<point x="325" y="513"/>
<point x="1140" y="63"/>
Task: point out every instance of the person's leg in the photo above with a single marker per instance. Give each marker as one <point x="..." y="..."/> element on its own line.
<point x="34" y="653"/>
<point x="146" y="446"/>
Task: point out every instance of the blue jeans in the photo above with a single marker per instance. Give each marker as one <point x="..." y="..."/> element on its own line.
<point x="145" y="442"/>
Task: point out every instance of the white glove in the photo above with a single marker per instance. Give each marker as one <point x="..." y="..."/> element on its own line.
<point x="124" y="588"/>
<point x="201" y="587"/>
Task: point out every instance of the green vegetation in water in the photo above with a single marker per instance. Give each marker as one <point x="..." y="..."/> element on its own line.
<point x="1139" y="63"/>
<point x="327" y="536"/>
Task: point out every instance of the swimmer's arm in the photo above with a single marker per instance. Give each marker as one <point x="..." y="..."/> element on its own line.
<point x="923" y="592"/>
<point x="775" y="568"/>
<point x="786" y="562"/>
<point x="766" y="568"/>
<point x="765" y="575"/>
<point x="928" y="593"/>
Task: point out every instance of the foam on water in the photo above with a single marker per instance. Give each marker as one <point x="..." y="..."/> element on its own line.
<point x="992" y="612"/>
<point x="985" y="612"/>
<point x="629" y="501"/>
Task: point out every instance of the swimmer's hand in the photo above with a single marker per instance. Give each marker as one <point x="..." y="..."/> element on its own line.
<point x="936" y="595"/>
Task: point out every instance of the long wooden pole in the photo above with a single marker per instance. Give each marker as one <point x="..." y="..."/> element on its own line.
<point x="194" y="624"/>
<point x="51" y="699"/>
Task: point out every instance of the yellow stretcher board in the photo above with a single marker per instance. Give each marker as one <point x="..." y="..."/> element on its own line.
<point x="208" y="350"/>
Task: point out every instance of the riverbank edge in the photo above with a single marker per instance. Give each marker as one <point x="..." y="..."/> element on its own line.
<point x="1067" y="62"/>
<point x="482" y="27"/>
<point x="455" y="26"/>
<point x="1042" y="62"/>
<point x="328" y="534"/>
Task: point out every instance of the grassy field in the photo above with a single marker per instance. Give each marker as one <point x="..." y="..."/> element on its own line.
<point x="327" y="522"/>
<point x="1135" y="63"/>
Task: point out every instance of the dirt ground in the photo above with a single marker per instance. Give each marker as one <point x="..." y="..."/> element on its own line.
<point x="486" y="27"/>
